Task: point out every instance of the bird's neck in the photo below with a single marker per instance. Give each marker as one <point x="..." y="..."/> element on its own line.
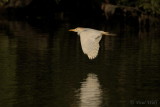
<point x="81" y="32"/>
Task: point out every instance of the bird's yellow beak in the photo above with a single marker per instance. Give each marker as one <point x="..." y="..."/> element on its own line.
<point x="71" y="30"/>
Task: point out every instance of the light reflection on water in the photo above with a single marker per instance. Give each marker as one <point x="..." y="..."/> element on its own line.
<point x="90" y="92"/>
<point x="48" y="68"/>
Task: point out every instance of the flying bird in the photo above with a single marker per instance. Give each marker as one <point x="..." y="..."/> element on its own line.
<point x="90" y="40"/>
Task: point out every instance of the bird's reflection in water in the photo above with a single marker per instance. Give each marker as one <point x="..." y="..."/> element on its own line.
<point x="90" y="92"/>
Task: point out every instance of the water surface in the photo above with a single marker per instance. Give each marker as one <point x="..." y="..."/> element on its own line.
<point x="45" y="67"/>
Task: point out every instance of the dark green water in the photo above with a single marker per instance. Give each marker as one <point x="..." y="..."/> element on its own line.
<point x="45" y="67"/>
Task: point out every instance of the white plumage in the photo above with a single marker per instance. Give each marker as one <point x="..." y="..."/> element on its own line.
<point x="90" y="40"/>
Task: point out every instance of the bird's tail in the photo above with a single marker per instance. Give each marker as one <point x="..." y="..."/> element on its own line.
<point x="108" y="34"/>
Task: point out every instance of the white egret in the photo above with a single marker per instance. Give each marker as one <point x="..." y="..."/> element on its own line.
<point x="90" y="40"/>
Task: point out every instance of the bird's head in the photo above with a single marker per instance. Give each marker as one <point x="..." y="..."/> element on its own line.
<point x="78" y="29"/>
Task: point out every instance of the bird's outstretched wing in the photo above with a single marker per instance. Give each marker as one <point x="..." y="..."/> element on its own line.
<point x="90" y="43"/>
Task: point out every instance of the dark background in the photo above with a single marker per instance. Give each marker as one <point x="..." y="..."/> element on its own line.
<point x="48" y="8"/>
